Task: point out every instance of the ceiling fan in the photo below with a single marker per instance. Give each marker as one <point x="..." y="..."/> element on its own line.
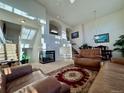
<point x="72" y="1"/>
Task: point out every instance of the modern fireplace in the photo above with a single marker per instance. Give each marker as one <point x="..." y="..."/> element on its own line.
<point x="47" y="56"/>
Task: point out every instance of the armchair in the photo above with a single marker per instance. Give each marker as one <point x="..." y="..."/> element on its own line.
<point x="89" y="58"/>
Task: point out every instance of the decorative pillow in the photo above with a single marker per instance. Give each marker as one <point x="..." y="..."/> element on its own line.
<point x="17" y="72"/>
<point x="44" y="85"/>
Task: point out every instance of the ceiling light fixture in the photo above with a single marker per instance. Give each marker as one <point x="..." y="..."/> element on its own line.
<point x="95" y="23"/>
<point x="22" y="21"/>
<point x="72" y="1"/>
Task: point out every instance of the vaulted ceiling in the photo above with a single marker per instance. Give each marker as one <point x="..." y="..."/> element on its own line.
<point x="82" y="10"/>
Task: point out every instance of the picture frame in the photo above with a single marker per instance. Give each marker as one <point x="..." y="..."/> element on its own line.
<point x="75" y="35"/>
<point x="101" y="38"/>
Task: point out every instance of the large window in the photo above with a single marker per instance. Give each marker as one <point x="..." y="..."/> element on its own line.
<point x="20" y="12"/>
<point x="2" y="39"/>
<point x="28" y="33"/>
<point x="5" y="7"/>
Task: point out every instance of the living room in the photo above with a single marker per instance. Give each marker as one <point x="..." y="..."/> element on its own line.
<point x="61" y="46"/>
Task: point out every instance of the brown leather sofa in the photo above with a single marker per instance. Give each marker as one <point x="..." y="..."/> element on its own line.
<point x="89" y="58"/>
<point x="110" y="78"/>
<point x="23" y="79"/>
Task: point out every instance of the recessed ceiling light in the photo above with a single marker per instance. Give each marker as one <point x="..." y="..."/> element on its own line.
<point x="72" y="1"/>
<point x="22" y="21"/>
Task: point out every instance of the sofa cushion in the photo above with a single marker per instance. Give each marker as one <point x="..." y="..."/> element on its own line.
<point x="89" y="53"/>
<point x="23" y="81"/>
<point x="88" y="62"/>
<point x="43" y="85"/>
<point x="17" y="72"/>
<point x="109" y="80"/>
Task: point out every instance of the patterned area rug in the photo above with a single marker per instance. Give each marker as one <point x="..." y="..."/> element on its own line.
<point x="78" y="78"/>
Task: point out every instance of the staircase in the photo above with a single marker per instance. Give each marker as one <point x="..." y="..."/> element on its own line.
<point x="74" y="52"/>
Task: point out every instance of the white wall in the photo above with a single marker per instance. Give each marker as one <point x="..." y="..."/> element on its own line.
<point x="112" y="24"/>
<point x="37" y="47"/>
<point x="51" y="39"/>
<point x="80" y="40"/>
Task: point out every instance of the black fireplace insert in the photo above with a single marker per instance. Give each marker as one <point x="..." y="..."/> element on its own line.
<point x="47" y="56"/>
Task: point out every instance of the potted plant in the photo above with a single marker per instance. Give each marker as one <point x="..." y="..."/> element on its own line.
<point x="84" y="46"/>
<point x="120" y="45"/>
<point x="25" y="58"/>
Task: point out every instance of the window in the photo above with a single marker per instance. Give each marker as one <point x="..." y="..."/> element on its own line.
<point x="20" y="12"/>
<point x="5" y="7"/>
<point x="2" y="39"/>
<point x="31" y="35"/>
<point x="25" y="46"/>
<point x="64" y="35"/>
<point x="25" y="33"/>
<point x="28" y="33"/>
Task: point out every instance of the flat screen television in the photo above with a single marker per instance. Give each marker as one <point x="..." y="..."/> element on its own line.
<point x="74" y="35"/>
<point x="101" y="38"/>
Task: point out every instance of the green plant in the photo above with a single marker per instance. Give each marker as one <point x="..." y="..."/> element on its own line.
<point x="120" y="45"/>
<point x="84" y="46"/>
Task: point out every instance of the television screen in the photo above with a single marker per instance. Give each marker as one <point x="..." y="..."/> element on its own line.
<point x="101" y="38"/>
<point x="74" y="35"/>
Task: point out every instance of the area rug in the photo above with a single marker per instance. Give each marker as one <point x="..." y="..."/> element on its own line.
<point x="79" y="79"/>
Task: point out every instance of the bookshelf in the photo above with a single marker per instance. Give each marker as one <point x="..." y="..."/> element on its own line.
<point x="8" y="54"/>
<point x="2" y="52"/>
<point x="11" y="52"/>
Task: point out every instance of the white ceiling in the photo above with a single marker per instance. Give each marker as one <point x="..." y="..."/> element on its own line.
<point x="82" y="10"/>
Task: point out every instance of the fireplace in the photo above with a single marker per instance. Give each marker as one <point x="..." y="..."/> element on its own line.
<point x="47" y="56"/>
